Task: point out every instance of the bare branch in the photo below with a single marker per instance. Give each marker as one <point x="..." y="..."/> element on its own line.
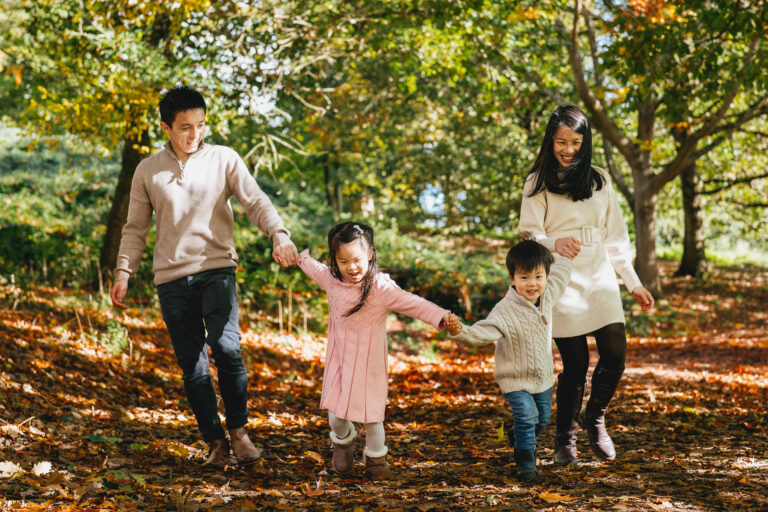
<point x="731" y="183"/>
<point x="606" y="126"/>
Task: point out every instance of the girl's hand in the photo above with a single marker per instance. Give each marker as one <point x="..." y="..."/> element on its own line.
<point x="452" y="324"/>
<point x="568" y="247"/>
<point x="643" y="297"/>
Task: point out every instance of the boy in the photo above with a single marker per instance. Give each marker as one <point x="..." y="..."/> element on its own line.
<point x="188" y="185"/>
<point x="520" y="324"/>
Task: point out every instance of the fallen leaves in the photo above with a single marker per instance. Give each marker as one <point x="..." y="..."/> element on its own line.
<point x="84" y="430"/>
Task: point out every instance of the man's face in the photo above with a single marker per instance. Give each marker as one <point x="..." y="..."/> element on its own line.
<point x="186" y="132"/>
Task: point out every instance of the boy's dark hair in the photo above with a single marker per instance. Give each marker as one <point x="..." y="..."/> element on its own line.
<point x="528" y="255"/>
<point x="343" y="234"/>
<point x="179" y="98"/>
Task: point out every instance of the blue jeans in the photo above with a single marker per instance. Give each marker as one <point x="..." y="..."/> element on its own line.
<point x="531" y="412"/>
<point x="201" y="310"/>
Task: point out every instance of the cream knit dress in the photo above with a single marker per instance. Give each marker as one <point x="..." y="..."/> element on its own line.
<point x="592" y="299"/>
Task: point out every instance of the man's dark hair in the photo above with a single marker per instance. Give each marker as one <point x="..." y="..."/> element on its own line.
<point x="528" y="255"/>
<point x="179" y="98"/>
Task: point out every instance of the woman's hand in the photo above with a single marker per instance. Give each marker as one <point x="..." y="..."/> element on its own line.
<point x="568" y="247"/>
<point x="643" y="297"/>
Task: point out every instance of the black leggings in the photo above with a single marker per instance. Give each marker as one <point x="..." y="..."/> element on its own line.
<point x="611" y="346"/>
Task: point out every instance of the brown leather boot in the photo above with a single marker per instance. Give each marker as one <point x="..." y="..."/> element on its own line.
<point x="245" y="453"/>
<point x="377" y="468"/>
<point x="218" y="455"/>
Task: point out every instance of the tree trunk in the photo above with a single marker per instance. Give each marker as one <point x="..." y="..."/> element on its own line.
<point x="331" y="194"/>
<point x="118" y="213"/>
<point x="646" y="264"/>
<point x="694" y="258"/>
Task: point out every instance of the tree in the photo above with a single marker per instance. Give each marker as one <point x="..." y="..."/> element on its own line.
<point x="96" y="70"/>
<point x="649" y="57"/>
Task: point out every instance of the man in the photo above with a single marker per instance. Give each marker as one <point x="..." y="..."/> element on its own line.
<point x="188" y="185"/>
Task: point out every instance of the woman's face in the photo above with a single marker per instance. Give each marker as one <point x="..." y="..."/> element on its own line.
<point x="566" y="145"/>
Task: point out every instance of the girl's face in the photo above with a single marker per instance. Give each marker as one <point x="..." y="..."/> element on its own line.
<point x="566" y="145"/>
<point x="353" y="259"/>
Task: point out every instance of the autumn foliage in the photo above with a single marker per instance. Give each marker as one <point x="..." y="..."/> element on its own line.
<point x="85" y="429"/>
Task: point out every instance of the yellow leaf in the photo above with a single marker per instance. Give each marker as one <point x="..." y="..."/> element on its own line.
<point x="500" y="435"/>
<point x="313" y="456"/>
<point x="553" y="497"/>
<point x="307" y="489"/>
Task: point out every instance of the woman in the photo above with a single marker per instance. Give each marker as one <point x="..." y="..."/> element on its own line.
<point x="569" y="205"/>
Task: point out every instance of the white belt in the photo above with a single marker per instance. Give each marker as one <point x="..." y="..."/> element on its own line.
<point x="587" y="235"/>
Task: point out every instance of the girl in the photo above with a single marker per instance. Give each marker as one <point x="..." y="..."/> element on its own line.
<point x="569" y="205"/>
<point x="355" y="377"/>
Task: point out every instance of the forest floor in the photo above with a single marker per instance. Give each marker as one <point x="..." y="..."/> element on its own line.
<point x="83" y="429"/>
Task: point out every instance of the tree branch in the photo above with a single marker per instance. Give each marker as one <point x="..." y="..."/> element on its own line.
<point x="606" y="126"/>
<point x="686" y="151"/>
<point x="610" y="162"/>
<point x="731" y="183"/>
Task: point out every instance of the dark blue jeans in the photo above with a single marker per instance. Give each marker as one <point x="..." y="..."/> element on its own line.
<point x="201" y="310"/>
<point x="532" y="412"/>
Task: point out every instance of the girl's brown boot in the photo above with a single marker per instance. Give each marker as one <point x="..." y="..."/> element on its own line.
<point x="377" y="468"/>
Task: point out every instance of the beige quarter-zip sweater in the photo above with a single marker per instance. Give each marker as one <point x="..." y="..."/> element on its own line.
<point x="523" y="334"/>
<point x="194" y="220"/>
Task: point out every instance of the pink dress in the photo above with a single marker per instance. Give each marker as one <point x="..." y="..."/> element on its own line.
<point x="355" y="380"/>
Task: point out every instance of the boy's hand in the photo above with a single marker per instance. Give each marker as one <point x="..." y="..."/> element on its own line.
<point x="568" y="247"/>
<point x="452" y="324"/>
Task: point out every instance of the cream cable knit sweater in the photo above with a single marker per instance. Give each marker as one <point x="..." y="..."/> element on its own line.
<point x="523" y="334"/>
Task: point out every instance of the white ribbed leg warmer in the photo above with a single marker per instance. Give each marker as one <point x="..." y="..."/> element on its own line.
<point x="374" y="440"/>
<point x="342" y="431"/>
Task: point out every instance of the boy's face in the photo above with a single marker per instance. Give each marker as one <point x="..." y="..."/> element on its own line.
<point x="530" y="284"/>
<point x="187" y="131"/>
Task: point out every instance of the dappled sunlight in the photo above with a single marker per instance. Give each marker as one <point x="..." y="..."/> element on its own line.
<point x="117" y="428"/>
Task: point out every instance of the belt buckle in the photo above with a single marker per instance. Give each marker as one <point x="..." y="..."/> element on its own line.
<point x="586" y="235"/>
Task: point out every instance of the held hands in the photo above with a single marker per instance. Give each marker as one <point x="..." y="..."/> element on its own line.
<point x="643" y="297"/>
<point x="452" y="324"/>
<point x="285" y="254"/>
<point x="568" y="247"/>
<point x="117" y="294"/>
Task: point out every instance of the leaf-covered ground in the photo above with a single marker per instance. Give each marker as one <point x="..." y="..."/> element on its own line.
<point x="81" y="429"/>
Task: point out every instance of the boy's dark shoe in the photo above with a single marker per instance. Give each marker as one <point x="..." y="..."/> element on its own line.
<point x="526" y="464"/>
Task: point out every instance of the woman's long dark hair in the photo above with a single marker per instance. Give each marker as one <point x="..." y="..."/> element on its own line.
<point x="579" y="179"/>
<point x="343" y="234"/>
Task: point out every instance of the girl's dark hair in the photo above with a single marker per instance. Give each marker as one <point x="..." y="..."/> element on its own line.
<point x="179" y="98"/>
<point x="343" y="234"/>
<point x="580" y="178"/>
<point x="528" y="255"/>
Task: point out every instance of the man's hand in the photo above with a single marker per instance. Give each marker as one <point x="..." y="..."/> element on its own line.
<point x="452" y="323"/>
<point x="643" y="297"/>
<point x="568" y="247"/>
<point x="117" y="294"/>
<point x="285" y="254"/>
